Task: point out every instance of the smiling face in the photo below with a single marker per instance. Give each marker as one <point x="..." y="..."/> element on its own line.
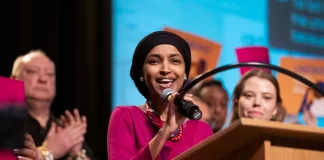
<point x="258" y="99"/>
<point x="164" y="67"/>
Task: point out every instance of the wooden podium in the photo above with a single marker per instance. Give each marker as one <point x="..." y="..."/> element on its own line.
<point x="248" y="139"/>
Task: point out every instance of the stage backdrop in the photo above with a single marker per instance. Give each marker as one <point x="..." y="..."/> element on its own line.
<point x="215" y="30"/>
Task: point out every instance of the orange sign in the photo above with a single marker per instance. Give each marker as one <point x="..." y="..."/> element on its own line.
<point x="292" y="91"/>
<point x="204" y="53"/>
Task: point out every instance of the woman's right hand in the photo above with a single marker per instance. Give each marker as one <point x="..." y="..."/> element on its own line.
<point x="174" y="118"/>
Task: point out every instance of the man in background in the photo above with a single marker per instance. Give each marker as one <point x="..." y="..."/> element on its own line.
<point x="55" y="138"/>
<point x="214" y="95"/>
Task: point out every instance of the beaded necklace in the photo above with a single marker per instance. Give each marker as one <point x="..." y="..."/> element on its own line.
<point x="157" y="122"/>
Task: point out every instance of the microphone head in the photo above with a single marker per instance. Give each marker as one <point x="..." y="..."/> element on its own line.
<point x="165" y="94"/>
<point x="196" y="114"/>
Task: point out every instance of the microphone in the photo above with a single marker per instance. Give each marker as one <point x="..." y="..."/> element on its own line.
<point x="186" y="108"/>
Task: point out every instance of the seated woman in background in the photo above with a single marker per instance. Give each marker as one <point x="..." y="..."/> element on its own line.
<point x="256" y="96"/>
<point x="155" y="130"/>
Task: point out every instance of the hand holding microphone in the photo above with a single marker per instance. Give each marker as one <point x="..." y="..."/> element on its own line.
<point x="185" y="107"/>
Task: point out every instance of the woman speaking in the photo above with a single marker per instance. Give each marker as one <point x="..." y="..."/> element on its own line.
<point x="155" y="130"/>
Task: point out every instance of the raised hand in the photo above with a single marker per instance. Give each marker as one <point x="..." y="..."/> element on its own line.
<point x="175" y="119"/>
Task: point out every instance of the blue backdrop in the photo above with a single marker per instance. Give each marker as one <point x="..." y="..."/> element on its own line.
<point x="231" y="23"/>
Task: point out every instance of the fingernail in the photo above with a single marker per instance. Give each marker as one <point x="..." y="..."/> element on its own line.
<point x="19" y="157"/>
<point x="15" y="150"/>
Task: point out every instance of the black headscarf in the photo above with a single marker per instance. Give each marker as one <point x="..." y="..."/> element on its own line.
<point x="146" y="45"/>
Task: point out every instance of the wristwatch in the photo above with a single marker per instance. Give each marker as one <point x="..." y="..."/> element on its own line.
<point x="80" y="156"/>
<point x="47" y="155"/>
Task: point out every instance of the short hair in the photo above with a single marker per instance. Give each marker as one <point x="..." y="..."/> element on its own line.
<point x="21" y="58"/>
<point x="208" y="83"/>
<point x="16" y="65"/>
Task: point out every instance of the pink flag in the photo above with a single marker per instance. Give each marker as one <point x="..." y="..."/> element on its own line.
<point x="13" y="111"/>
<point x="252" y="54"/>
<point x="12" y="91"/>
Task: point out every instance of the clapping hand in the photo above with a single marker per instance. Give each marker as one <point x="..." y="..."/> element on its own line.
<point x="74" y="120"/>
<point x="60" y="141"/>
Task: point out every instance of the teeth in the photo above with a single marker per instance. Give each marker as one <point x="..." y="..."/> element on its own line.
<point x="165" y="80"/>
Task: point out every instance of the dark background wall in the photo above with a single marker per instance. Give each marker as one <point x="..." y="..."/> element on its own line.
<point x="76" y="35"/>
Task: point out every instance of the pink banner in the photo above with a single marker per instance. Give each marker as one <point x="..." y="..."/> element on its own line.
<point x="11" y="92"/>
<point x="252" y="54"/>
<point x="13" y="112"/>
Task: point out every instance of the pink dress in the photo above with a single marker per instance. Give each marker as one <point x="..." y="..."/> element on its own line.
<point x="130" y="131"/>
